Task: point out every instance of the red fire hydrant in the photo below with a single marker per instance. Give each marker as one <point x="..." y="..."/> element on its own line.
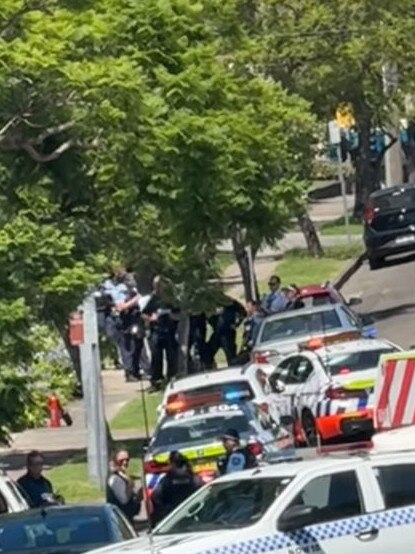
<point x="55" y="411"/>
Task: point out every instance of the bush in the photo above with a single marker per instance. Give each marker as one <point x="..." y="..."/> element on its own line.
<point x="24" y="391"/>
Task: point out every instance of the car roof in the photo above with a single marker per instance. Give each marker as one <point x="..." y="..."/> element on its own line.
<point x="43" y="513"/>
<point x="358" y="345"/>
<point x="330" y="461"/>
<point x="207" y="378"/>
<point x="302" y="311"/>
<point x="390" y="190"/>
<point x="311" y="290"/>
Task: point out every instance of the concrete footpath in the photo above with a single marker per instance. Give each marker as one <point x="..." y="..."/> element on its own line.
<point x="60" y="444"/>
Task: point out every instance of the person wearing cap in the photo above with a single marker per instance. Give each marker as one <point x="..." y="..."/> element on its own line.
<point x="175" y="487"/>
<point x="237" y="458"/>
<point x="120" y="487"/>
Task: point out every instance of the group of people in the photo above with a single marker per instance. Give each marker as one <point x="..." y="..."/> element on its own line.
<point x="127" y="318"/>
<point x="178" y="483"/>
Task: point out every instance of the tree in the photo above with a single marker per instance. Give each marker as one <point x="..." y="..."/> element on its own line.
<point x="335" y="52"/>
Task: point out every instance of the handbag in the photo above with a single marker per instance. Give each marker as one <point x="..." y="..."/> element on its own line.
<point x="67" y="418"/>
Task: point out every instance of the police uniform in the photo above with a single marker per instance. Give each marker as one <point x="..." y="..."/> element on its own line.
<point x="238" y="460"/>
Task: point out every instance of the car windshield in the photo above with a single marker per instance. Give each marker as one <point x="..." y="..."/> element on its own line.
<point x="63" y="531"/>
<point x="349" y="362"/>
<point x="225" y="505"/>
<point x="187" y="429"/>
<point x="288" y="328"/>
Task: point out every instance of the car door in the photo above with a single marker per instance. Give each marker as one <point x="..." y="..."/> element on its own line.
<point x="339" y="522"/>
<point x="396" y="522"/>
<point x="311" y="378"/>
<point x="285" y="372"/>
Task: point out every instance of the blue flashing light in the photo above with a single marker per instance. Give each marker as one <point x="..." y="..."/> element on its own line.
<point x="236" y="395"/>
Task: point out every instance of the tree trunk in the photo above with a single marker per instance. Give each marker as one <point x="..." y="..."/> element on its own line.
<point x="242" y="259"/>
<point x="309" y="231"/>
<point x="183" y="334"/>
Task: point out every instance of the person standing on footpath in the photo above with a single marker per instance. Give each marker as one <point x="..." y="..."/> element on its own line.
<point x="275" y="301"/>
<point x="38" y="489"/>
<point x="120" y="487"/>
<point x="224" y="326"/>
<point x="163" y="319"/>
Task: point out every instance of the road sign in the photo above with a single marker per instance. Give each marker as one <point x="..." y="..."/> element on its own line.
<point x="334" y="133"/>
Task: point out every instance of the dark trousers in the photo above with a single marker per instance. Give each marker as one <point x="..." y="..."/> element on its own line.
<point x="130" y="350"/>
<point x="225" y="339"/>
<point x="160" y="343"/>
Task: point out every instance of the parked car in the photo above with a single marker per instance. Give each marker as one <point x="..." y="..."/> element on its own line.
<point x="63" y="529"/>
<point x="195" y="430"/>
<point x="362" y="504"/>
<point x="389" y="223"/>
<point x="318" y="295"/>
<point x="285" y="332"/>
<point x="329" y="390"/>
<point x="12" y="499"/>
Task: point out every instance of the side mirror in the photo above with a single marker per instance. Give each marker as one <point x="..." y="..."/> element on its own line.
<point x="296" y="517"/>
<point x="276" y="384"/>
<point x="355" y="301"/>
<point x="367" y="320"/>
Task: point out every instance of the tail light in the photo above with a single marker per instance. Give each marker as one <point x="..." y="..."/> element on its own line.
<point x="339" y="393"/>
<point x="155" y="467"/>
<point x="369" y="215"/>
<point x="255" y="448"/>
<point x="264" y="357"/>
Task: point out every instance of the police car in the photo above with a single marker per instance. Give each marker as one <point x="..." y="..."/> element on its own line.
<point x="363" y="504"/>
<point x="329" y="388"/>
<point x="233" y="384"/>
<point x="283" y="333"/>
<point x="196" y="429"/>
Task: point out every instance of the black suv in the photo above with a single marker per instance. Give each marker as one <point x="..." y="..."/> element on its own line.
<point x="389" y="220"/>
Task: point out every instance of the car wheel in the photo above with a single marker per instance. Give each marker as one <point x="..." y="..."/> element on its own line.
<point x="375" y="263"/>
<point x="309" y="428"/>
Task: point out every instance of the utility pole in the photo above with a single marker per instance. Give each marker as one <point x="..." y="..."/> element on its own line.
<point x="335" y="140"/>
<point x="393" y="155"/>
<point x="251" y="272"/>
<point x="97" y="447"/>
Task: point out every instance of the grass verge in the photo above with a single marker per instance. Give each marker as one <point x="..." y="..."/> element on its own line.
<point x="338" y="228"/>
<point x="300" y="268"/>
<point x="131" y="416"/>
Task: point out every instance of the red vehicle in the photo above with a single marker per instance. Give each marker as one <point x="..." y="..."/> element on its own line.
<point x="316" y="295"/>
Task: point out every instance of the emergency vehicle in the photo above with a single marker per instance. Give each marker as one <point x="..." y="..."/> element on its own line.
<point x="329" y="388"/>
<point x="196" y="429"/>
<point x="233" y="384"/>
<point x="363" y="504"/>
<point x="11" y="497"/>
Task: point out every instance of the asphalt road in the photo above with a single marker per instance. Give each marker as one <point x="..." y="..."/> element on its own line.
<point x="388" y="295"/>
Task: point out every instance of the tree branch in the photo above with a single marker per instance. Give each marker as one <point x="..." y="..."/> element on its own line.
<point x="45" y="158"/>
<point x="50" y="131"/>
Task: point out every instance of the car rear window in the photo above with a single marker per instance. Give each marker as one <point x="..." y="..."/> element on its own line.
<point x="397" y="200"/>
<point x="58" y="531"/>
<point x="349" y="362"/>
<point x="218" y="392"/>
<point x="186" y="428"/>
<point x="299" y="325"/>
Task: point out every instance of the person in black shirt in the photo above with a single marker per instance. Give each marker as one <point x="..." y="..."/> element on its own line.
<point x="293" y="294"/>
<point x="174" y="488"/>
<point x="225" y="325"/>
<point x="163" y="320"/>
<point x="37" y="488"/>
<point x="236" y="458"/>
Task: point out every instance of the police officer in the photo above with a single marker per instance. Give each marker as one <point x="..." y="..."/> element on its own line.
<point x="225" y="325"/>
<point x="162" y="317"/>
<point x="174" y="488"/>
<point x="237" y="458"/>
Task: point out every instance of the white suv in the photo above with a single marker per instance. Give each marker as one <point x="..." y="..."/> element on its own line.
<point x="363" y="504"/>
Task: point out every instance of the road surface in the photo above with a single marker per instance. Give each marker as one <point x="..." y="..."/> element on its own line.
<point x="388" y="295"/>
